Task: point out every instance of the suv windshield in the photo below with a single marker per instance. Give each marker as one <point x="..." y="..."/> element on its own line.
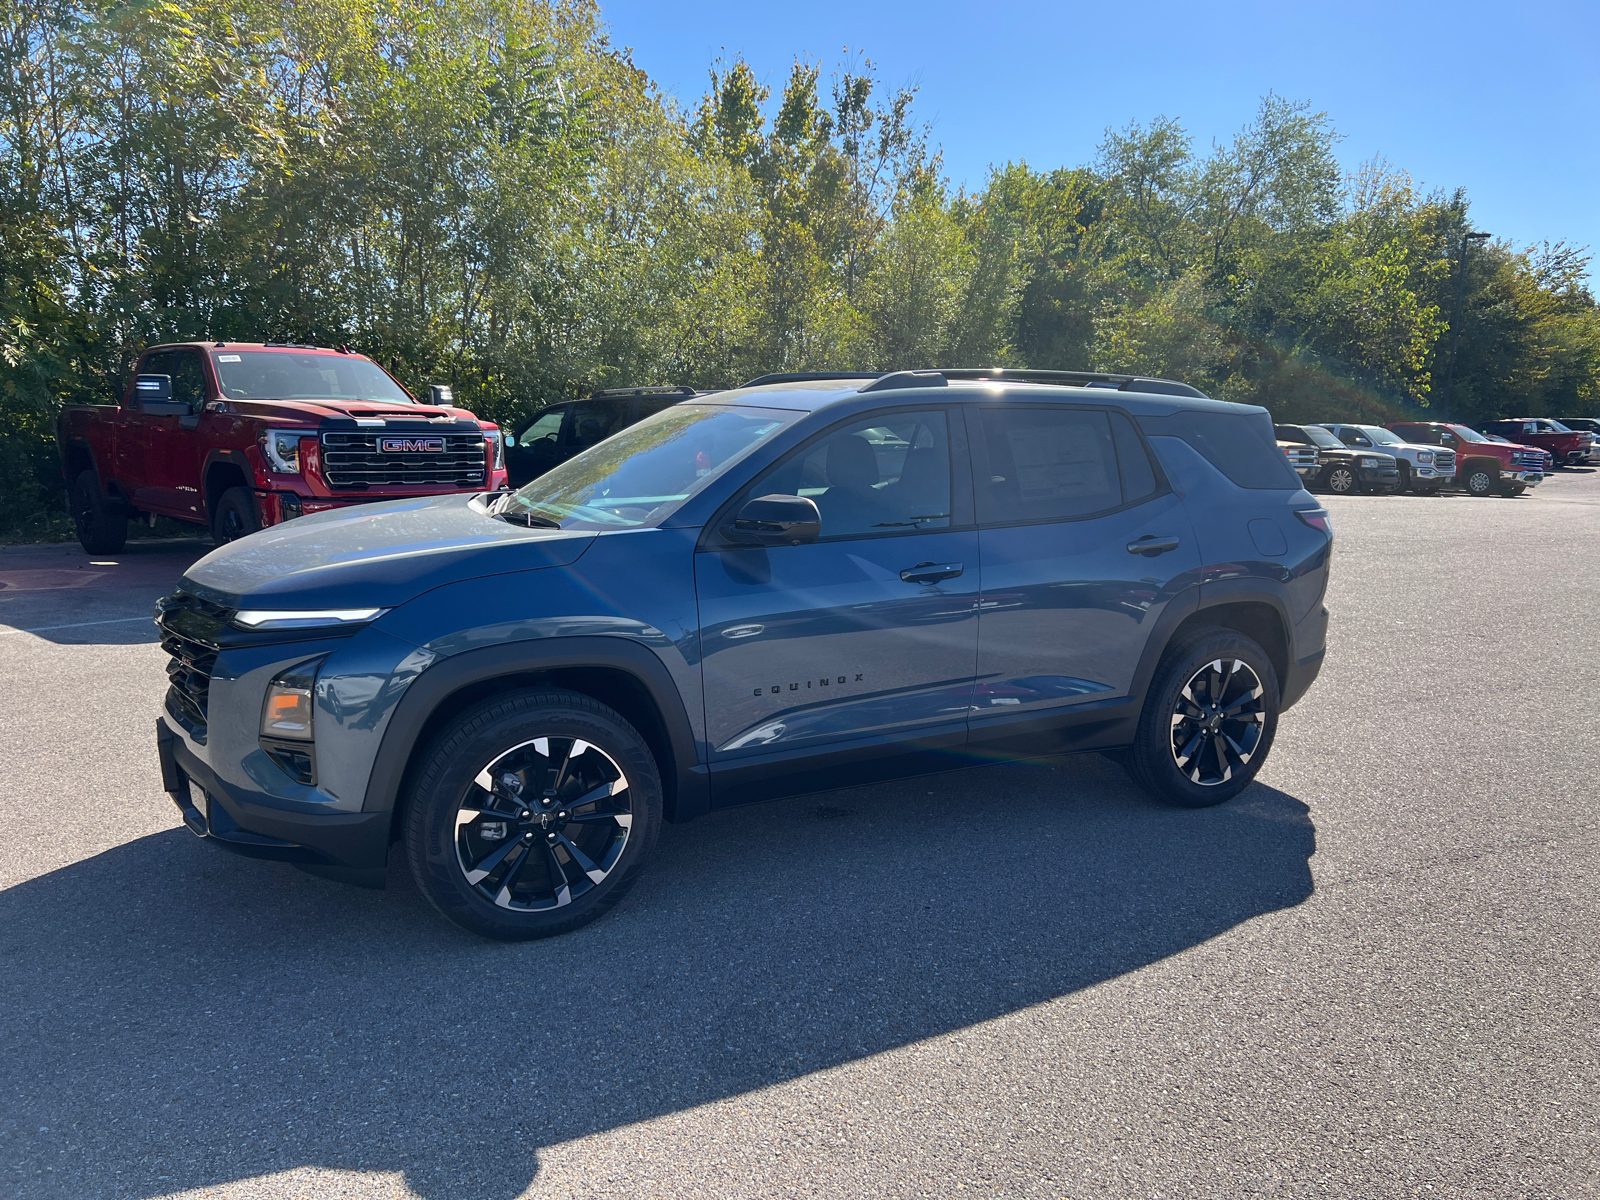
<point x="284" y="375"/>
<point x="642" y="474"/>
<point x="1381" y="436"/>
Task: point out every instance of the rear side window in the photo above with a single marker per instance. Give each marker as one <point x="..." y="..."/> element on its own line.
<point x="596" y="420"/>
<point x="1047" y="464"/>
<point x="1133" y="461"/>
<point x="1240" y="445"/>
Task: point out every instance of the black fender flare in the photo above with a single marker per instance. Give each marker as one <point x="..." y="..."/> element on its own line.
<point x="687" y="790"/>
<point x="236" y="458"/>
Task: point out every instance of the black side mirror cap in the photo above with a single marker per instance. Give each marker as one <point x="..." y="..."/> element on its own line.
<point x="154" y="393"/>
<point x="778" y="521"/>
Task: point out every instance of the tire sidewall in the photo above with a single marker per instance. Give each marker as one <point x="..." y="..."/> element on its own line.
<point x="1151" y="757"/>
<point x="235" y="500"/>
<point x="478" y="737"/>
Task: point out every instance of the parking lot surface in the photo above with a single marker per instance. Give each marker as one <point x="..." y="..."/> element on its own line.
<point x="1373" y="974"/>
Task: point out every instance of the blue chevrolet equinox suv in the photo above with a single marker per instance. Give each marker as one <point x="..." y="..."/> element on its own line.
<point x="799" y="584"/>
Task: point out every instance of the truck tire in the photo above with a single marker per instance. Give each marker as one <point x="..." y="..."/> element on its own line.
<point x="532" y="814"/>
<point x="1208" y="720"/>
<point x="236" y="516"/>
<point x="101" y="523"/>
<point x="1513" y="489"/>
<point x="1340" y="480"/>
<point x="1479" y="480"/>
<point x="1405" y="484"/>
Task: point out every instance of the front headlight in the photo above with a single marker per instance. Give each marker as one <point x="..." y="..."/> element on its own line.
<point x="282" y="448"/>
<point x="1425" y="456"/>
<point x="286" y="722"/>
<point x="287" y="712"/>
<point x="499" y="449"/>
<point x="1369" y="462"/>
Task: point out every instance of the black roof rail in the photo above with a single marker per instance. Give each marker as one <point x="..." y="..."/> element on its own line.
<point x="662" y="389"/>
<point x="807" y="376"/>
<point x="907" y="379"/>
<point x="1121" y="383"/>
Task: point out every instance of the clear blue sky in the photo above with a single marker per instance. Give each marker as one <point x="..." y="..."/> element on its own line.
<point x="1502" y="99"/>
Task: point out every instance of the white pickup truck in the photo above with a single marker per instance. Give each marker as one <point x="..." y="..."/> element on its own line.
<point x="1423" y="469"/>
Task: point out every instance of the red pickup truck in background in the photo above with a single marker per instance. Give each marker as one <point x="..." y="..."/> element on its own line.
<point x="237" y="435"/>
<point x="1568" y="447"/>
<point x="1482" y="466"/>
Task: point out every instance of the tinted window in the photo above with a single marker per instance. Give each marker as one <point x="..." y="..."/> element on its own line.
<point x="285" y="375"/>
<point x="188" y="383"/>
<point x="884" y="474"/>
<point x="1240" y="445"/>
<point x="596" y="420"/>
<point x="1046" y="464"/>
<point x="544" y="428"/>
<point x="649" y="406"/>
<point x="1133" y="461"/>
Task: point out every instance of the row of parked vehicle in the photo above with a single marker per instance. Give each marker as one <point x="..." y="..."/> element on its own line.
<point x="1504" y="457"/>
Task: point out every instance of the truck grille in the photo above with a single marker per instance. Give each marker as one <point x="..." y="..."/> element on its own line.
<point x="382" y="459"/>
<point x="1528" y="460"/>
<point x="188" y="624"/>
<point x="1301" y="457"/>
<point x="1444" y="461"/>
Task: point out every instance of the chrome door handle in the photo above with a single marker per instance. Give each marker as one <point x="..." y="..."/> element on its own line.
<point x="928" y="572"/>
<point x="1150" y="545"/>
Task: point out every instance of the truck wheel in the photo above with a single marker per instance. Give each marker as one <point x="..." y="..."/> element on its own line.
<point x="1208" y="720"/>
<point x="235" y="516"/>
<point x="101" y="524"/>
<point x="1405" y="484"/>
<point x="532" y="815"/>
<point x="1479" y="481"/>
<point x="1341" y="481"/>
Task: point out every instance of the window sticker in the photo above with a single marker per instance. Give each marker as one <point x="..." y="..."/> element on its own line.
<point x="227" y="358"/>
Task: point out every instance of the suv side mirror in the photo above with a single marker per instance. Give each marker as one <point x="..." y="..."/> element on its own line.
<point x="154" y="393"/>
<point x="778" y="521"/>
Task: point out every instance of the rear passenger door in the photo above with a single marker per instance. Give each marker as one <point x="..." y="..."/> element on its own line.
<point x="1066" y="497"/>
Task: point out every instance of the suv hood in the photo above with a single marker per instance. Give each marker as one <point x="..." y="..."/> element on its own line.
<point x="375" y="555"/>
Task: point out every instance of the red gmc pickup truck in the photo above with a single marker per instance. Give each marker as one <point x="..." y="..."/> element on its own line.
<point x="237" y="435"/>
<point x="1482" y="466"/>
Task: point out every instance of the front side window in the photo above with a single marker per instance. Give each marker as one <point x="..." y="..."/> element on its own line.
<point x="884" y="474"/>
<point x="285" y="375"/>
<point x="640" y="476"/>
<point x="545" y="429"/>
<point x="183" y="366"/>
<point x="1046" y="464"/>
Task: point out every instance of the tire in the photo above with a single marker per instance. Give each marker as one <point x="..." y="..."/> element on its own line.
<point x="1341" y="481"/>
<point x="1479" y="481"/>
<point x="101" y="523"/>
<point x="1175" y="755"/>
<point x="570" y="870"/>
<point x="236" y="516"/>
<point x="1515" y="489"/>
<point x="1405" y="484"/>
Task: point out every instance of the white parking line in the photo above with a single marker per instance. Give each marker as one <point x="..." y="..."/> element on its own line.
<point x="79" y="625"/>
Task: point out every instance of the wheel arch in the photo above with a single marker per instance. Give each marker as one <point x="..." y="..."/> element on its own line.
<point x="1464" y="466"/>
<point x="619" y="673"/>
<point x="224" y="469"/>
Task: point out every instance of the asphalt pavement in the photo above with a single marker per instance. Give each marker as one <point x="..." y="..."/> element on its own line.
<point x="1373" y="974"/>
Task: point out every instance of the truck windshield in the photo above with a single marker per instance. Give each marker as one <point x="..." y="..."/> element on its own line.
<point x="284" y="375"/>
<point x="1558" y="427"/>
<point x="1381" y="436"/>
<point x="641" y="475"/>
<point x="1465" y="434"/>
<point x="1320" y="437"/>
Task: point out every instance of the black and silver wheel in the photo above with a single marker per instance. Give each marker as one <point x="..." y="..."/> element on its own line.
<point x="101" y="525"/>
<point x="1479" y="481"/>
<point x="1208" y="720"/>
<point x="235" y="516"/>
<point x="1341" y="481"/>
<point x="533" y="814"/>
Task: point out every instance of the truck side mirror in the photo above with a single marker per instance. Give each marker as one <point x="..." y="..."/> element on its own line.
<point x="154" y="393"/>
<point x="441" y="394"/>
<point x="778" y="521"/>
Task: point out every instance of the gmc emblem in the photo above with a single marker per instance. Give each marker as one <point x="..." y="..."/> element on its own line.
<point x="405" y="445"/>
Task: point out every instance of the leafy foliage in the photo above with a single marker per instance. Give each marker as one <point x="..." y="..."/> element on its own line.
<point x="488" y="192"/>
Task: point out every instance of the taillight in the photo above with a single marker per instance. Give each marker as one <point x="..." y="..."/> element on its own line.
<point x="1317" y="518"/>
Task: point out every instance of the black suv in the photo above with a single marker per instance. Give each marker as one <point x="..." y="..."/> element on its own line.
<point x="776" y="589"/>
<point x="558" y="432"/>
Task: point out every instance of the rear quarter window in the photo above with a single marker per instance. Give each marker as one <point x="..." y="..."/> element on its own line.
<point x="1240" y="445"/>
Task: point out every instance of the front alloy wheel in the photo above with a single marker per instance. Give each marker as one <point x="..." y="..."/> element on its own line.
<point x="543" y="824"/>
<point x="1341" y="481"/>
<point x="1217" y="722"/>
<point x="1479" y="482"/>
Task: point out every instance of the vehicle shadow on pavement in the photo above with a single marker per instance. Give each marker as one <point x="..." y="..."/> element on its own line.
<point x="178" y="1018"/>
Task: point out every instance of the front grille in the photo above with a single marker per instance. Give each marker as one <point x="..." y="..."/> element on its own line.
<point x="358" y="460"/>
<point x="188" y="628"/>
<point x="1301" y="456"/>
<point x="1526" y="461"/>
<point x="1444" y="460"/>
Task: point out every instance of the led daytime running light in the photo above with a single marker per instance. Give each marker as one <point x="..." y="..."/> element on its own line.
<point x="254" y="618"/>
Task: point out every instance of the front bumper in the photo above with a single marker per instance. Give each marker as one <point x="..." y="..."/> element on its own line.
<point x="249" y="824"/>
<point x="1381" y="478"/>
<point x="1427" y="471"/>
<point x="1529" y="478"/>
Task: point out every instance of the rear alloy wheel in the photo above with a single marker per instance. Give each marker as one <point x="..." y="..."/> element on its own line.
<point x="235" y="517"/>
<point x="1208" y="721"/>
<point x="1341" y="481"/>
<point x="533" y="815"/>
<point x="1479" y="481"/>
<point x="101" y="525"/>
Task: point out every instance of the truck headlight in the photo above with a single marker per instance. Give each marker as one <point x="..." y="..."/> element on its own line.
<point x="1369" y="462"/>
<point x="499" y="448"/>
<point x="1425" y="456"/>
<point x="282" y="448"/>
